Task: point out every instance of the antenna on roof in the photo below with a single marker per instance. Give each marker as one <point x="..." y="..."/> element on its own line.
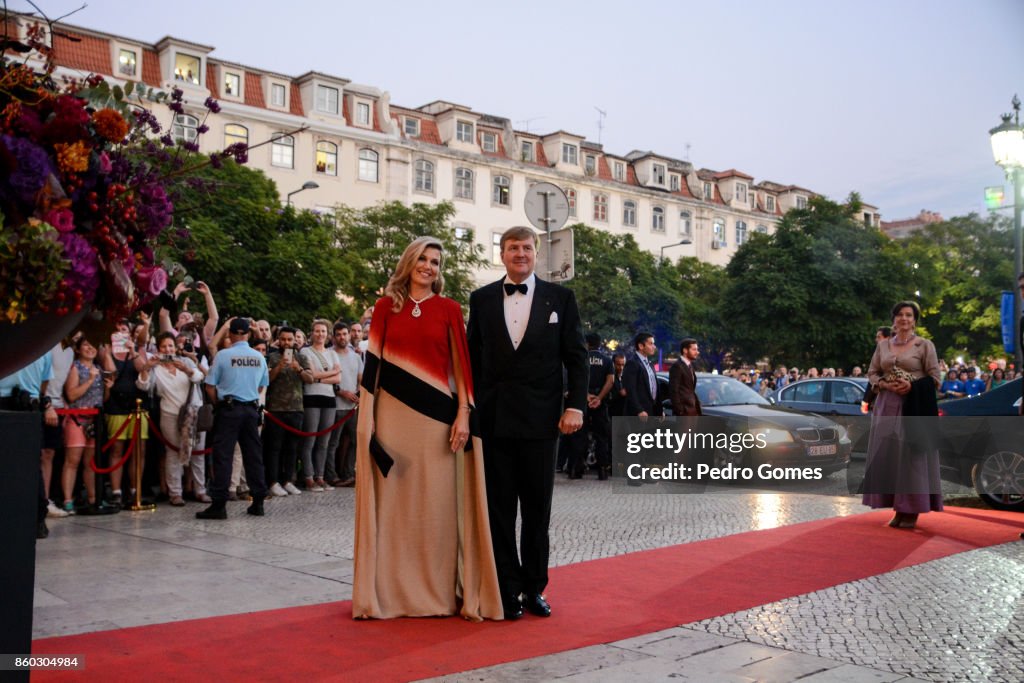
<point x="686" y="156"/>
<point x="526" y="122"/>
<point x="600" y="122"/>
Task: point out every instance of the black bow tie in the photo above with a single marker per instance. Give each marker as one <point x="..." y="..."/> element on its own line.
<point x="511" y="289"/>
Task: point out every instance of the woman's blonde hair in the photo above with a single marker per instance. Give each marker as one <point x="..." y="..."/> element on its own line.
<point x="398" y="286"/>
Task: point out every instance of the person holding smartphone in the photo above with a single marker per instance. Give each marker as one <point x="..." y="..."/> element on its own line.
<point x="124" y="365"/>
<point x="288" y="372"/>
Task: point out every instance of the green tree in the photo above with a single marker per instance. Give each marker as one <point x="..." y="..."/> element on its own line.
<point x="372" y="240"/>
<point x="813" y="292"/>
<point x="699" y="286"/>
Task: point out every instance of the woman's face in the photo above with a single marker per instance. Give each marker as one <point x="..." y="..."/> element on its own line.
<point x="300" y="339"/>
<point x="427" y="267"/>
<point x="167" y="346"/>
<point x="997" y="374"/>
<point x="86" y="351"/>
<point x="319" y="335"/>
<point x="904" y="319"/>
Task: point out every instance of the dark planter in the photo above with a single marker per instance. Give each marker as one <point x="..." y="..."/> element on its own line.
<point x="22" y="343"/>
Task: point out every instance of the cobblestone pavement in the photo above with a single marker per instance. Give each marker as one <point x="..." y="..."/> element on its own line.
<point x="138" y="568"/>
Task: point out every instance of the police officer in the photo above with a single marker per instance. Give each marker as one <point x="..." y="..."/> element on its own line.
<point x="234" y="382"/>
<point x="598" y="423"/>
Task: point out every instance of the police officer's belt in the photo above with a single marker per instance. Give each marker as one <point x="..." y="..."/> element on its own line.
<point x="232" y="401"/>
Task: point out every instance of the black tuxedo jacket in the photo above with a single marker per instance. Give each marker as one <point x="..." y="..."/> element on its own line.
<point x="638" y="390"/>
<point x="682" y="389"/>
<point x="519" y="391"/>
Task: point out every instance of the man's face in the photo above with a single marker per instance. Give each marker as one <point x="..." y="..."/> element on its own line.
<point x="285" y="340"/>
<point x="519" y="258"/>
<point x="184" y="318"/>
<point x="647" y="349"/>
<point x="341" y="338"/>
<point x="263" y="329"/>
<point x="262" y="348"/>
<point x="691" y="352"/>
<point x="620" y="364"/>
<point x="355" y="333"/>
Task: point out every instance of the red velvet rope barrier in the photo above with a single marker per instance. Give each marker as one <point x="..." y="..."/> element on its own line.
<point x="115" y="437"/>
<point x="168" y="444"/>
<point x="128" y="453"/>
<point x="293" y="430"/>
<point x="80" y="412"/>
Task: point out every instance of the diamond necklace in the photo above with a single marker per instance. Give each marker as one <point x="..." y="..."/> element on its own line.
<point x="416" y="312"/>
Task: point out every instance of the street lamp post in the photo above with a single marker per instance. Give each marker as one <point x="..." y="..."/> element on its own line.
<point x="1008" y="150"/>
<point x="669" y="246"/>
<point x="308" y="185"/>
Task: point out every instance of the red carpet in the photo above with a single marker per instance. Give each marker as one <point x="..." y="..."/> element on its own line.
<point x="594" y="602"/>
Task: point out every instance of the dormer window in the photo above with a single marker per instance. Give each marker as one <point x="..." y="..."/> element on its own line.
<point x="464" y="131"/>
<point x="278" y="95"/>
<point x="658" y="174"/>
<point x="673" y="182"/>
<point x="489" y="142"/>
<point x="327" y="100"/>
<point x="801" y="202"/>
<point x="769" y="204"/>
<point x="232" y="85"/>
<point x="741" y="192"/>
<point x="708" y="191"/>
<point x="186" y="68"/>
<point x="126" y="61"/>
<point x="570" y="154"/>
<point x="590" y="165"/>
<point x="620" y="171"/>
<point x="527" y="151"/>
<point x="362" y="114"/>
<point x="412" y="127"/>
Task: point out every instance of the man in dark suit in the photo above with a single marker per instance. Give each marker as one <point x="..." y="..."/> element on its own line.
<point x="522" y="331"/>
<point x="617" y="397"/>
<point x="682" y="381"/>
<point x="639" y="381"/>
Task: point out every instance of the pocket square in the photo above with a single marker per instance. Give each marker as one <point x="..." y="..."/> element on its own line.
<point x="554" y="318"/>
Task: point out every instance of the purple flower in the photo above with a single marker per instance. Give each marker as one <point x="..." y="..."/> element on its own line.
<point x="62" y="219"/>
<point x="212" y="105"/>
<point x="215" y="160"/>
<point x="203" y="129"/>
<point x="154" y="209"/>
<point x="239" y="150"/>
<point x="84" y="273"/>
<point x="191" y="146"/>
<point x="167" y="140"/>
<point x="176" y="94"/>
<point x="176" y="107"/>
<point x="31" y="170"/>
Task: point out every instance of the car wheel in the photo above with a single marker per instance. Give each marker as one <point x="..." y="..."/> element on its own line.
<point x="999" y="480"/>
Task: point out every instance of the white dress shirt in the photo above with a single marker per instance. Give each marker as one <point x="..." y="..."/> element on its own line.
<point x="517" y="309"/>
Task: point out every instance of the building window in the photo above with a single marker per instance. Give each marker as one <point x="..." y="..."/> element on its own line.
<point x="368" y="165"/>
<point x="326" y="158"/>
<point x="658" y="174"/>
<point x="769" y="204"/>
<point x="570" y="154"/>
<point x="629" y="214"/>
<point x="464" y="234"/>
<point x="327" y="99"/>
<point x="741" y="192"/>
<point x="412" y="127"/>
<point x="186" y="68"/>
<point x="282" y="151"/>
<point x="718" y="236"/>
<point x="570" y="196"/>
<point x="658" y="219"/>
<point x="741" y="233"/>
<point x="685" y="224"/>
<point x="762" y="229"/>
<point x="185" y="128"/>
<point x="527" y="151"/>
<point x="496" y="248"/>
<point x="674" y="182"/>
<point x="708" y="191"/>
<point x="489" y="142"/>
<point x="620" y="171"/>
<point x="463" y="183"/>
<point x="232" y="85"/>
<point x="501" y="190"/>
<point x="590" y="165"/>
<point x="126" y="60"/>
<point x="601" y="208"/>
<point x="362" y="114"/>
<point x="424" y="176"/>
<point x="801" y="202"/>
<point x="277" y="95"/>
<point x="464" y="131"/>
<point x="234" y="134"/>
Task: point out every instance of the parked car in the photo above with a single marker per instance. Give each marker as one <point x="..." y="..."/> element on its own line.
<point x="988" y="453"/>
<point x="840" y="398"/>
<point x="795" y="437"/>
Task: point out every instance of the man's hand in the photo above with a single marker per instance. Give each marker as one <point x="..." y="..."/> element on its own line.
<point x="201" y="287"/>
<point x="50" y="417"/>
<point x="179" y="289"/>
<point x="570" y="422"/>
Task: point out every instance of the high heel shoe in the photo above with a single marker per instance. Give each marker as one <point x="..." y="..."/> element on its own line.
<point x="896" y="521"/>
<point x="909" y="521"/>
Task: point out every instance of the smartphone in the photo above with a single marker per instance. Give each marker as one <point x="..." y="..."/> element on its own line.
<point x="119" y="341"/>
<point x="166" y="358"/>
<point x="288" y="354"/>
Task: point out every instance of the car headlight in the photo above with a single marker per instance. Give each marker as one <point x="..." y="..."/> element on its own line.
<point x="773" y="435"/>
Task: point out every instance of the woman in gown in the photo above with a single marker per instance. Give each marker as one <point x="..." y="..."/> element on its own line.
<point x="422" y="541"/>
<point x="898" y="474"/>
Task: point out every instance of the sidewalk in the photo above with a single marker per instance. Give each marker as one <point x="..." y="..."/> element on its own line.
<point x="954" y="619"/>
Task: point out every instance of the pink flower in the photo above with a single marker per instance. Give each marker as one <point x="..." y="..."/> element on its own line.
<point x="62" y="219"/>
<point x="151" y="280"/>
<point x="105" y="165"/>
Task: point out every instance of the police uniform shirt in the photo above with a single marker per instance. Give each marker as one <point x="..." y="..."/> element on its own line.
<point x="600" y="367"/>
<point x="239" y="371"/>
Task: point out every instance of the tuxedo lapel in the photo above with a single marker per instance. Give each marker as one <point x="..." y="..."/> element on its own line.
<point x="495" y="304"/>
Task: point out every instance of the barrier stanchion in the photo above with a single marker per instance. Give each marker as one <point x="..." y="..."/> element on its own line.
<point x="137" y="462"/>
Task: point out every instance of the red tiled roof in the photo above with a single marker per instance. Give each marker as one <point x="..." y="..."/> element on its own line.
<point x="345" y="113"/>
<point x="542" y="158"/>
<point x="730" y="173"/>
<point x="684" y="188"/>
<point x="631" y="175"/>
<point x="82" y="52"/>
<point x="151" y="67"/>
<point x="211" y="79"/>
<point x="296" y="101"/>
<point x="429" y="132"/>
<point x="254" y="90"/>
<point x="500" y="143"/>
<point x="604" y="171"/>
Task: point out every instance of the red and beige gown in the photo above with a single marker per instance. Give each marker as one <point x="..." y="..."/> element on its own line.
<point x="422" y="540"/>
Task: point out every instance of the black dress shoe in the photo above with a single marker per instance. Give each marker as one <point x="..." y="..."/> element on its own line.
<point x="538" y="605"/>
<point x="513" y="608"/>
<point x="218" y="510"/>
<point x="256" y="509"/>
<point x="42" y="531"/>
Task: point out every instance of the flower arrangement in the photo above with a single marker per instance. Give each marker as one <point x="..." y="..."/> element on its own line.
<point x="90" y="187"/>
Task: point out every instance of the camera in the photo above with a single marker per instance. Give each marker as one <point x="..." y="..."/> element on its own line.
<point x="188" y="348"/>
<point x="166" y="358"/>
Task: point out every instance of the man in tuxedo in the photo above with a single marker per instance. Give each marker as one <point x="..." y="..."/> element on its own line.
<point x="617" y="397"/>
<point x="639" y="381"/>
<point x="682" y="381"/>
<point x="522" y="332"/>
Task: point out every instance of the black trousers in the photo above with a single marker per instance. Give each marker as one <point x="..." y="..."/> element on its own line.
<point x="237" y="423"/>
<point x="599" y="425"/>
<point x="520" y="473"/>
<point x="281" y="447"/>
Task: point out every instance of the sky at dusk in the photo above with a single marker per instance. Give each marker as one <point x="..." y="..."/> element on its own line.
<point x="893" y="99"/>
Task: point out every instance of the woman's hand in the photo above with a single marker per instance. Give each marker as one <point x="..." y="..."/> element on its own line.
<point x="460" y="431"/>
<point x="899" y="386"/>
